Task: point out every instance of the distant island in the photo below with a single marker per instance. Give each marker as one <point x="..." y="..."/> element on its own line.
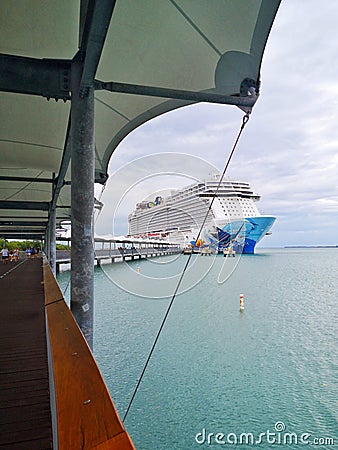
<point x="311" y="246"/>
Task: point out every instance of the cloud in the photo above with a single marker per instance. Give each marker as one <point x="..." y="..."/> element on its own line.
<point x="288" y="151"/>
<point x="146" y="178"/>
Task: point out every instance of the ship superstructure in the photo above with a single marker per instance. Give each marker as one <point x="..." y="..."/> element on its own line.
<point x="233" y="219"/>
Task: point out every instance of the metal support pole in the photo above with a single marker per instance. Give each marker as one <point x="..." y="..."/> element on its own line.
<point x="82" y="207"/>
<point x="44" y="240"/>
<point x="52" y="240"/>
<point x="47" y="242"/>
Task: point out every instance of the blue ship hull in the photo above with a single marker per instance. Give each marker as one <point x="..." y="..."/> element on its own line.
<point x="240" y="235"/>
<point x="243" y="235"/>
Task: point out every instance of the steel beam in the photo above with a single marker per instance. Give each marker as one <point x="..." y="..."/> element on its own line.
<point x="82" y="204"/>
<point x="18" y="230"/>
<point x="47" y="243"/>
<point x="94" y="34"/>
<point x="60" y="180"/>
<point x="22" y="223"/>
<point x="49" y="78"/>
<point x="177" y="94"/>
<point x="26" y="179"/>
<point x="52" y="240"/>
<point x="25" y="236"/>
<point x="13" y="218"/>
<point x="35" y="206"/>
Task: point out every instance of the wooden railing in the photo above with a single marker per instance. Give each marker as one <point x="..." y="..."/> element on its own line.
<point x="86" y="417"/>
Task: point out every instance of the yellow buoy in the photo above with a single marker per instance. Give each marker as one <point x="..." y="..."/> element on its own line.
<point x="241" y="302"/>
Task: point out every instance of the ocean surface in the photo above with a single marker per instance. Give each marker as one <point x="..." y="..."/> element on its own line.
<point x="220" y="378"/>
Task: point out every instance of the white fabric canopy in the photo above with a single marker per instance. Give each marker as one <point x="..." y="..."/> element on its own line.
<point x="184" y="45"/>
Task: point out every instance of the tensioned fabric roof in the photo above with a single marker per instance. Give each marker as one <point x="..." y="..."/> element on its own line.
<point x="144" y="57"/>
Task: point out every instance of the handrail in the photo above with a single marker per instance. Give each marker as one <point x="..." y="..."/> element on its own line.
<point x="86" y="416"/>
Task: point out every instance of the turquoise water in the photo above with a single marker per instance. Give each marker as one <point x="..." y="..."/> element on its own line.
<point x="216" y="372"/>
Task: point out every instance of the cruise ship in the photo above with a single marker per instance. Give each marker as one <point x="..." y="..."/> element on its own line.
<point x="233" y="221"/>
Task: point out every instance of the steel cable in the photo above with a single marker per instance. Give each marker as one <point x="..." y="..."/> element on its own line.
<point x="244" y="122"/>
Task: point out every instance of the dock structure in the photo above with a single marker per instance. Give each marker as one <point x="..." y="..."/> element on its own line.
<point x="118" y="250"/>
<point x="69" y="99"/>
<point x="74" y="82"/>
<point x="25" y="407"/>
<point x="52" y="392"/>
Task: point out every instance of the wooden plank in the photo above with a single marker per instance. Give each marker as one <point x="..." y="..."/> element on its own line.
<point x="52" y="290"/>
<point x="25" y="417"/>
<point x="86" y="415"/>
<point x="121" y="441"/>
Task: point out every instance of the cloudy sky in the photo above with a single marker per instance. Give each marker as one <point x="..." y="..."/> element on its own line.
<point x="289" y="149"/>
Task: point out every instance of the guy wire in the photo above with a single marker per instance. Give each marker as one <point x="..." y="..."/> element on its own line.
<point x="244" y="122"/>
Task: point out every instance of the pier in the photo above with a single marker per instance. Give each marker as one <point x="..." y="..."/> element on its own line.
<point x="119" y="250"/>
<point x="67" y="69"/>
<point x="52" y="392"/>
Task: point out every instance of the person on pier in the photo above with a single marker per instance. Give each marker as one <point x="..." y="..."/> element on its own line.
<point x="5" y="254"/>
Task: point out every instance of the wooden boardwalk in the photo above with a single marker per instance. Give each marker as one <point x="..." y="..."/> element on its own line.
<point x="52" y="394"/>
<point x="25" y="413"/>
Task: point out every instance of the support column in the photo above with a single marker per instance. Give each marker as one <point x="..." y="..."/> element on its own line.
<point x="47" y="243"/>
<point x="52" y="240"/>
<point x="82" y="202"/>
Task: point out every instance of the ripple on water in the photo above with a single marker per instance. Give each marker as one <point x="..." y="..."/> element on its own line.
<point x="216" y="368"/>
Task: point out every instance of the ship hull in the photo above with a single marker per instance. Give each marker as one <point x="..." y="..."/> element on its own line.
<point x="245" y="234"/>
